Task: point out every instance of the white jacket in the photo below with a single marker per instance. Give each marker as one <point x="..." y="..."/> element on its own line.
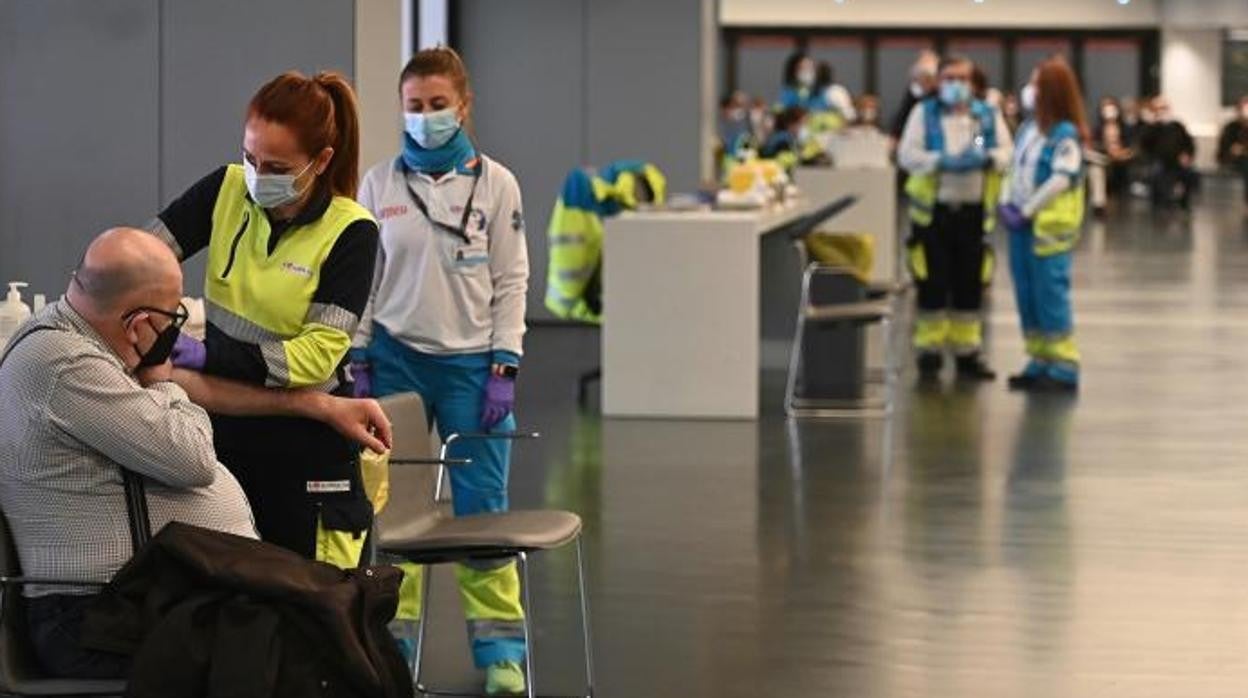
<point x="432" y="290"/>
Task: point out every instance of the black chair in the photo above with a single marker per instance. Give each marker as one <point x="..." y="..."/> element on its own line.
<point x="20" y="674"/>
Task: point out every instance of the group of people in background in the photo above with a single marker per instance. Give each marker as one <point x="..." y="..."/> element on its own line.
<point x="811" y="102"/>
<point x="973" y="155"/>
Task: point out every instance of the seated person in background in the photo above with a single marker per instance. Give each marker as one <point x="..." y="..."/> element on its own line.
<point x="1109" y="139"/>
<point x="868" y="109"/>
<point x="1011" y="112"/>
<point x="790" y="143"/>
<point x="923" y="83"/>
<point x="1174" y="151"/>
<point x="734" y="124"/>
<point x="835" y="96"/>
<point x="88" y="389"/>
<point x="1233" y="144"/>
<point x="762" y="121"/>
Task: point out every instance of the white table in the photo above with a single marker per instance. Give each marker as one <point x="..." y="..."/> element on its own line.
<point x="875" y="213"/>
<point x="681" y="302"/>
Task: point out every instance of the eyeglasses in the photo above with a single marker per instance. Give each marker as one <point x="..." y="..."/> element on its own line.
<point x="177" y="318"/>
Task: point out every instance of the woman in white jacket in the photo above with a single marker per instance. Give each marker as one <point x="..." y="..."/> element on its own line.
<point x="1043" y="209"/>
<point x="446" y="320"/>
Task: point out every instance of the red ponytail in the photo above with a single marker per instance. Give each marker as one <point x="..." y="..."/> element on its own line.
<point x="322" y="112"/>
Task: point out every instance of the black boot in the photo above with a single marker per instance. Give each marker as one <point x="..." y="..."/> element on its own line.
<point x="1047" y="384"/>
<point x="1023" y="381"/>
<point x="973" y="368"/>
<point x="930" y="364"/>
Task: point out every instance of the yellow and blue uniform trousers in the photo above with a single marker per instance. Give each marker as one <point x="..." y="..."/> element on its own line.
<point x="1042" y="292"/>
<point x="1040" y="262"/>
<point x="452" y="388"/>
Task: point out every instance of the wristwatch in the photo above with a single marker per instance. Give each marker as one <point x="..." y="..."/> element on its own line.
<point x="506" y="370"/>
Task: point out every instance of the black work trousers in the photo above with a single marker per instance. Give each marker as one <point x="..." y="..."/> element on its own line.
<point x="55" y="624"/>
<point x="953" y="246"/>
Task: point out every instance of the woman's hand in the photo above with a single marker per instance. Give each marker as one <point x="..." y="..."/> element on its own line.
<point x="500" y="399"/>
<point x="362" y="421"/>
<point x="189" y="353"/>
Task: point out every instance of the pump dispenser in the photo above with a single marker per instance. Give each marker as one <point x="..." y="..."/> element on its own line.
<point x="13" y="312"/>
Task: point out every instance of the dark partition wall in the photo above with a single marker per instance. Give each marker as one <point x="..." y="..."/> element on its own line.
<point x="988" y="53"/>
<point x="760" y="65"/>
<point x="1111" y="69"/>
<point x="109" y="109"/>
<point x="848" y="57"/>
<point x="893" y="57"/>
<point x="79" y="129"/>
<point x="602" y="81"/>
<point x="1028" y="53"/>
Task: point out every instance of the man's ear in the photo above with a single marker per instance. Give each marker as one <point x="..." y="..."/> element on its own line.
<point x="130" y="323"/>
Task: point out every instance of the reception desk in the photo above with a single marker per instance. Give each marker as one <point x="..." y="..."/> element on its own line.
<point x="681" y="292"/>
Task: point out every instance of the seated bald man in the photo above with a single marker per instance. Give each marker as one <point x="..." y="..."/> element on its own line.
<point x="87" y="389"/>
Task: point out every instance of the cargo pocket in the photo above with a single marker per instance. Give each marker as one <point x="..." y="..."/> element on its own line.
<point x="342" y="530"/>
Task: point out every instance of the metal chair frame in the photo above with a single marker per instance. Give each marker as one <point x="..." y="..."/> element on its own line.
<point x="433" y="557"/>
<point x="797" y="407"/>
<point x="13" y="584"/>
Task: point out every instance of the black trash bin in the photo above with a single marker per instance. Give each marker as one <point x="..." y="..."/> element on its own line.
<point x="833" y="352"/>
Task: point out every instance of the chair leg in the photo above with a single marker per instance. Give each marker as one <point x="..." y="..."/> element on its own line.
<point x="523" y="560"/>
<point x="585" y="624"/>
<point x="582" y="387"/>
<point x="795" y="359"/>
<point x="426" y="576"/>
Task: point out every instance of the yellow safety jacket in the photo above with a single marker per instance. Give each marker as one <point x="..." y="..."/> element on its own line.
<point x="1058" y="223"/>
<point x="573" y="280"/>
<point x="282" y="302"/>
<point x="921" y="189"/>
<point x="282" y="305"/>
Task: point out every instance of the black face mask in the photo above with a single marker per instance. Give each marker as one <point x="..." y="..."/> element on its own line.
<point x="162" y="348"/>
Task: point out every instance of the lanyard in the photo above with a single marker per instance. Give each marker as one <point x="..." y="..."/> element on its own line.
<point x="460" y="232"/>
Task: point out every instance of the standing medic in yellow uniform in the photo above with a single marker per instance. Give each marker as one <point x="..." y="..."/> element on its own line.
<point x="954" y="148"/>
<point x="290" y="259"/>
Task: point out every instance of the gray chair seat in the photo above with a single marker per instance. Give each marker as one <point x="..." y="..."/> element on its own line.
<point x="513" y="530"/>
<point x="867" y="311"/>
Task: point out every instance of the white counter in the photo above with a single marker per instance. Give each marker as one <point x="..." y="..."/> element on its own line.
<point x="681" y="302"/>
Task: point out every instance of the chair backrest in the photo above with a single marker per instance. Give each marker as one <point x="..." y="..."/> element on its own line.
<point x="17" y="662"/>
<point x="412" y="487"/>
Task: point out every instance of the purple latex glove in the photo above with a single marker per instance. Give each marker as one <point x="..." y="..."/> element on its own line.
<point x="361" y="380"/>
<point x="500" y="398"/>
<point x="189" y="353"/>
<point x="1012" y="217"/>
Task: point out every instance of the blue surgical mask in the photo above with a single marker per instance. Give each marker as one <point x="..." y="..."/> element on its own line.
<point x="272" y="190"/>
<point x="432" y="130"/>
<point x="955" y="92"/>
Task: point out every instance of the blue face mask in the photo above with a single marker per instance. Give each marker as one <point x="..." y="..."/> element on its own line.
<point x="432" y="130"/>
<point x="955" y="92"/>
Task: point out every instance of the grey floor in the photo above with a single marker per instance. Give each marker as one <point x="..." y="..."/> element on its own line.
<point x="982" y="543"/>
